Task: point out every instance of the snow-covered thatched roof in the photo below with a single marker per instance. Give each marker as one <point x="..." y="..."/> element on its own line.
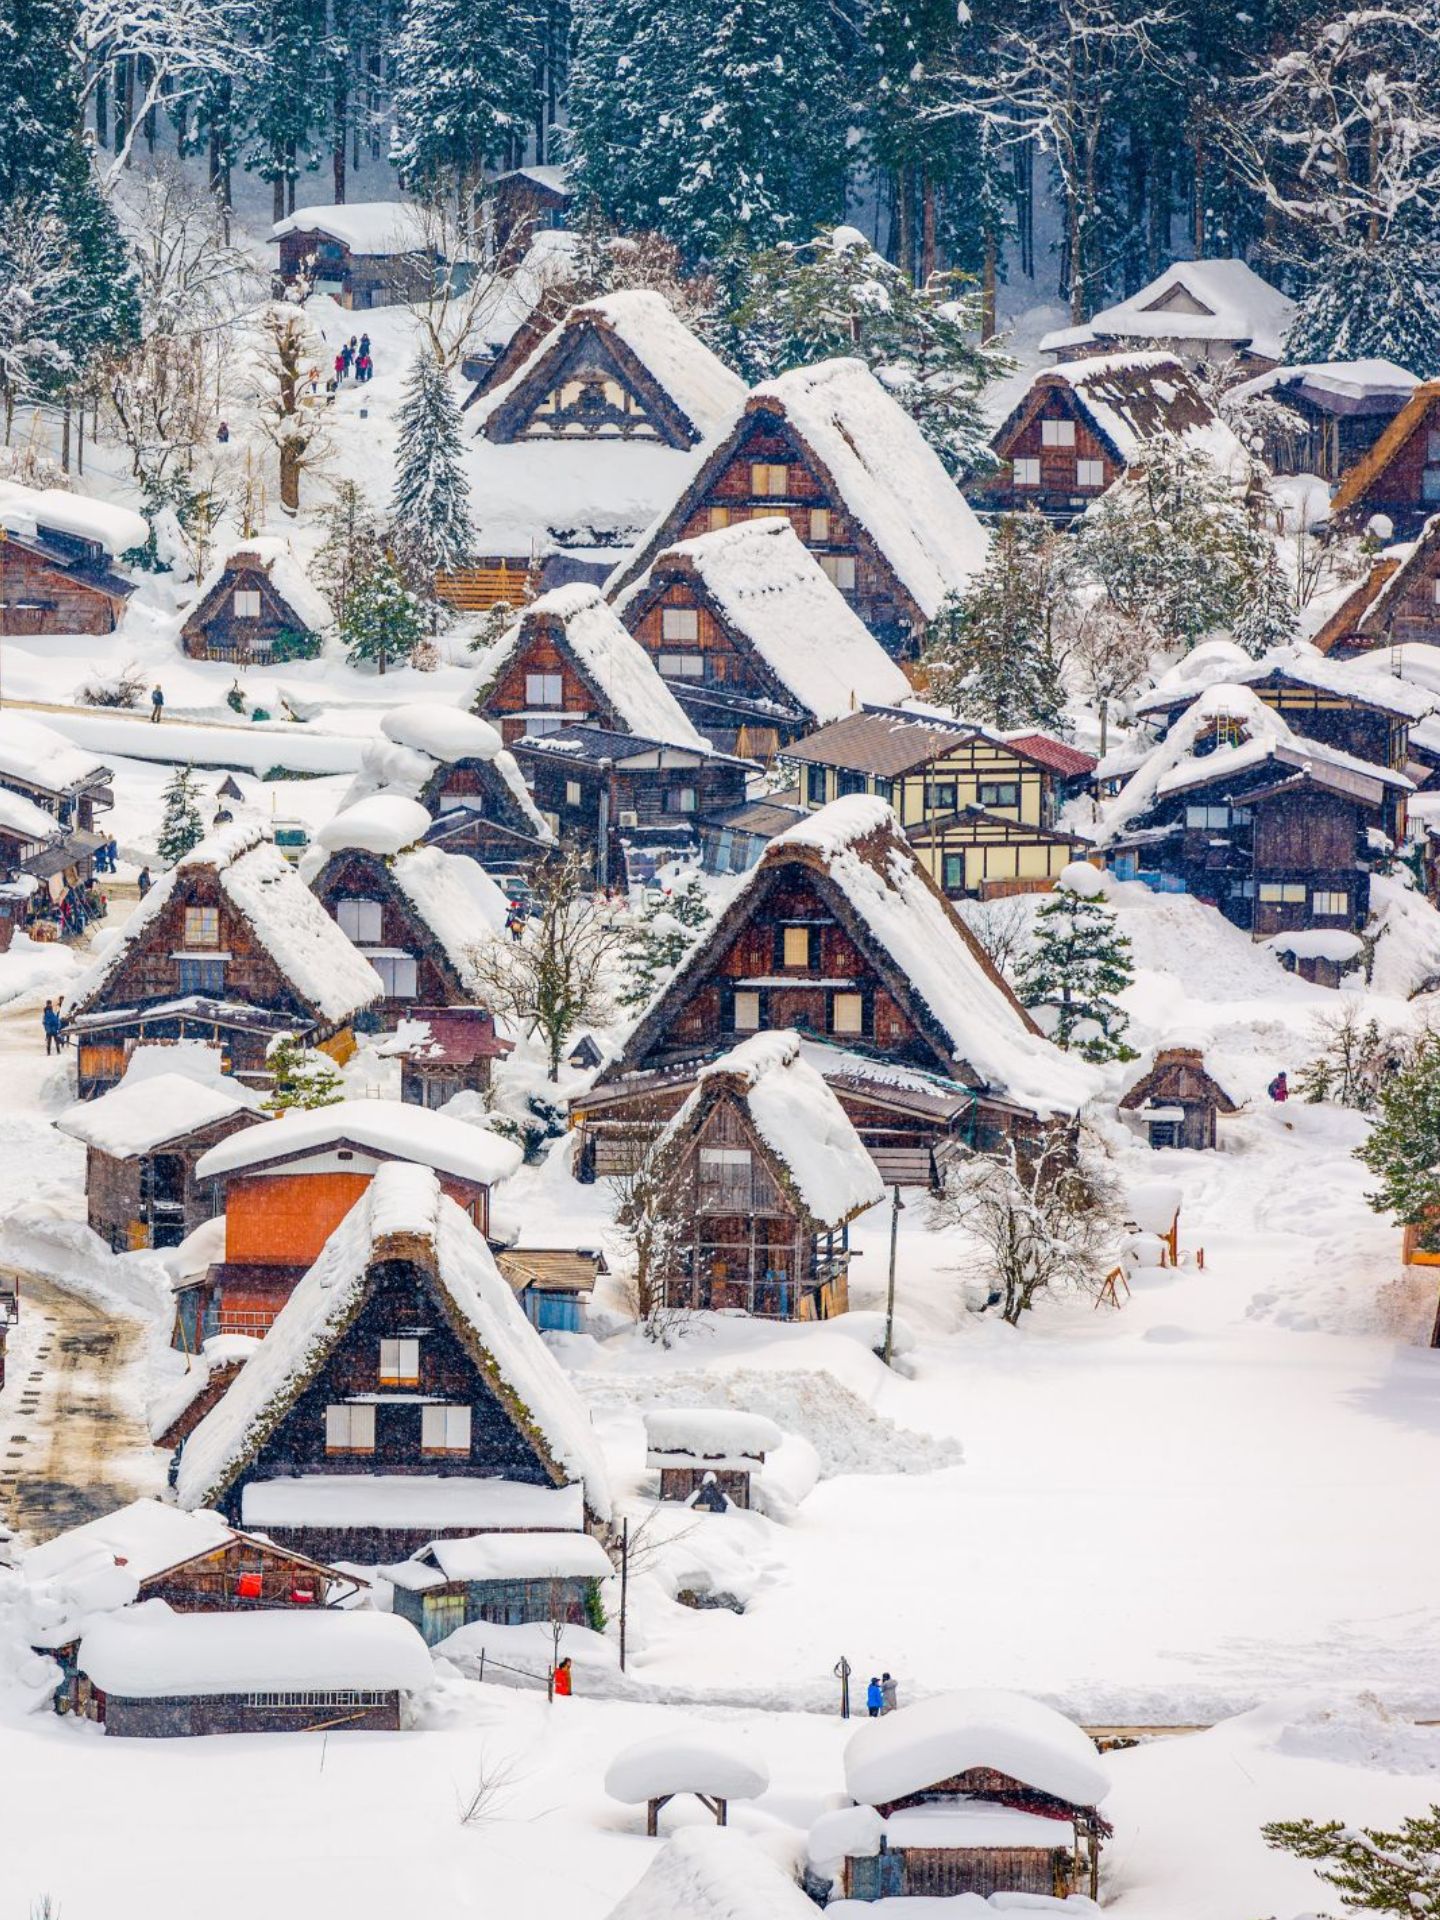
<point x="770" y="590"/>
<point x="504" y="1556"/>
<point x="364" y="226"/>
<point x="814" y="1144"/>
<point x="383" y="823"/>
<point x="417" y="741"/>
<point x="921" y="1745"/>
<point x="36" y="756"/>
<point x="1210" y="301"/>
<point x="1364" y="682"/>
<point x="1342" y="386"/>
<point x="324" y="971"/>
<point x="403" y="1208"/>
<point x="149" y="1108"/>
<point x="606" y="655"/>
<point x="28" y="511"/>
<point x="274" y="555"/>
<point x="1128" y="399"/>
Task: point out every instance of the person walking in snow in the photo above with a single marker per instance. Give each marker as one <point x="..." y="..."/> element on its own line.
<point x="142" y="882"/>
<point x="157" y="704"/>
<point x="1279" y="1089"/>
<point x="339" y="366"/>
<point x="112" y="855"/>
<point x="888" y="1689"/>
<point x="562" y="1679"/>
<point x="50" y="1020"/>
<point x="363" y="368"/>
<point x="874" y="1698"/>
<point x="364" y="346"/>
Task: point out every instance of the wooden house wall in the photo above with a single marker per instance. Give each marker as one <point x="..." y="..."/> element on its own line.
<point x="1059" y="488"/>
<point x="118" y="1192"/>
<point x="1400" y="489"/>
<point x="1414" y="612"/>
<point x="1324" y="443"/>
<point x="942" y="1872"/>
<point x="357" y="874"/>
<point x="1310" y="838"/>
<point x="506" y="705"/>
<point x="233" y="1713"/>
<point x="358" y="280"/>
<point x="211" y="1583"/>
<point x="520" y="208"/>
<point x="38" y="597"/>
<point x="582" y="392"/>
<point x="285" y="1218"/>
<point x="679" y="1483"/>
<point x="877" y="596"/>
<point x="216" y="632"/>
<point x="438" y="1611"/>
<point x="732" y="669"/>
<point x="404" y="1304"/>
<point x="1337" y="722"/>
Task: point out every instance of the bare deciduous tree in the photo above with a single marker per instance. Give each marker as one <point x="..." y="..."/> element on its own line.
<point x="296" y="430"/>
<point x="38" y="274"/>
<point x="653" y="1212"/>
<point x="1044" y="1217"/>
<point x="1002" y="928"/>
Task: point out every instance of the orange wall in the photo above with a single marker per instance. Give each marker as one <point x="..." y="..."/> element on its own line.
<point x="285" y="1219"/>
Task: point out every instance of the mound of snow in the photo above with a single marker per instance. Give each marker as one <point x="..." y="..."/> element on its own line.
<point x="692" y="1759"/>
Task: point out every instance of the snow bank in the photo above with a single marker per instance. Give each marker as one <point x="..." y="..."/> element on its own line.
<point x="382" y="824"/>
<point x="693" y="1759"/>
<point x="714" y="1873"/>
<point x="525" y="1652"/>
<point x="917" y="1746"/>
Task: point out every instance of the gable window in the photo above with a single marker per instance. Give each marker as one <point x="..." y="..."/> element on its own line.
<point x="726" y="1178"/>
<point x="679" y="623"/>
<point x="681" y="666"/>
<point x="247" y="603"/>
<point x="202" y="926"/>
<point x="349" y="1429"/>
<point x="397" y="974"/>
<point x="399" y="1363"/>
<point x="769" y="480"/>
<point x="819" y="526"/>
<point x="717" y="518"/>
<point x="445" y="1429"/>
<point x="847" y="1013"/>
<point x="795" y="946"/>
<point x="815" y="786"/>
<point x="573" y="794"/>
<point x="359" y="920"/>
<point x="202" y="976"/>
<point x="680" y="799"/>
<point x="747" y="1011"/>
<point x="1057" y="433"/>
<point x="1328" y="905"/>
<point x="839" y="569"/>
<point x="544" y="689"/>
<point x="1027" y="473"/>
<point x="999" y="793"/>
<point x="1089" y="473"/>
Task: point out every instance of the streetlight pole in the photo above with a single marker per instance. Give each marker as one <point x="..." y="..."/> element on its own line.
<point x="896" y="1204"/>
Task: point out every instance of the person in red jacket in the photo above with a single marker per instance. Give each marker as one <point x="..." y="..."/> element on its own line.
<point x="562" y="1679"/>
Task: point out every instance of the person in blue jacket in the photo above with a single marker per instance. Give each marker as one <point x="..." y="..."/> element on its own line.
<point x="51" y="1021"/>
<point x="874" y="1697"/>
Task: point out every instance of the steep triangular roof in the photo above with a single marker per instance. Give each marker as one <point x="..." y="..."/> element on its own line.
<point x="872" y="458"/>
<point x="688" y="394"/>
<point x="402" y="1215"/>
<point x="272" y="556"/>
<point x="418" y="744"/>
<point x="324" y="972"/>
<point x="1210" y="300"/>
<point x="856" y="855"/>
<point x="1171" y="1068"/>
<point x="1367" y="610"/>
<point x="771" y="594"/>
<point x="604" y="655"/>
<point x="1126" y="399"/>
<point x="1370" y="467"/>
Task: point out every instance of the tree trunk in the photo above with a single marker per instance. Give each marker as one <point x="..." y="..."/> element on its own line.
<point x="1198" y="166"/>
<point x="102" y="113"/>
<point x="122" y="120"/>
<point x="907" y="222"/>
<point x="988" y="291"/>
<point x="290" y="454"/>
<point x="927" y="246"/>
<point x="277" y="192"/>
<point x="65" y="437"/>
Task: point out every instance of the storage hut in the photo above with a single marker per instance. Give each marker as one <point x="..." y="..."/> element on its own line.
<point x="1178" y="1101"/>
<point x="761" y="1173"/>
<point x="715" y="1768"/>
<point x="148" y="1672"/>
<point x="1323" y="417"/>
<point x="143" y="1138"/>
<point x="553" y="1284"/>
<point x="524" y="202"/>
<point x="288" y="1185"/>
<point x="508" y="1579"/>
<point x="418" y="914"/>
<point x="229" y="947"/>
<point x="830" y="450"/>
<point x="58" y="561"/>
<point x="979" y="1791"/>
<point x="1207" y="312"/>
<point x="1398" y="480"/>
<point x="400" y="1380"/>
<point x="756" y="643"/>
<point x="254" y="607"/>
<point x="707" y="1456"/>
<point x="367" y="253"/>
<point x="1082" y="425"/>
<point x="623" y="367"/>
<point x="1395" y="603"/>
<point x="445" y="1051"/>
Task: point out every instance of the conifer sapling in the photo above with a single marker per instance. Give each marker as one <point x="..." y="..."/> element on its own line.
<point x="1078" y="962"/>
<point x="181" y="827"/>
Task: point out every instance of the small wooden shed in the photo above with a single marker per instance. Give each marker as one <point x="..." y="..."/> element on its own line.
<point x="445" y="1051"/>
<point x="707" y="1456"/>
<point x="369" y="253"/>
<point x="1178" y="1100"/>
<point x="509" y="1579"/>
<point x="256" y="606"/>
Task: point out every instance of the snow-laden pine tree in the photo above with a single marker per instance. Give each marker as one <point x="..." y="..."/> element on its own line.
<point x="464" y="90"/>
<point x="811" y="300"/>
<point x="303" y="1076"/>
<point x="1402" y="1149"/>
<point x="181" y="827"/>
<point x="283" y="96"/>
<point x="669" y="926"/>
<point x="1077" y="962"/>
<point x="994" y="653"/>
<point x="430" y="506"/>
<point x="383" y="622"/>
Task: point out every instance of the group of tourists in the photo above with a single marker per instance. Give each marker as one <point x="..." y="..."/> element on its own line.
<point x="354" y="357"/>
<point x="106" y="857"/>
<point x="880" y="1695"/>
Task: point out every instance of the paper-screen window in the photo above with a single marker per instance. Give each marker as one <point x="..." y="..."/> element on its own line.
<point x="445" y="1429"/>
<point x="349" y="1429"/>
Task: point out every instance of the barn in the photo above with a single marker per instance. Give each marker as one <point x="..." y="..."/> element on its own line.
<point x="367" y="253"/>
<point x="59" y="558"/>
<point x="1206" y="312"/>
<point x="1178" y="1101"/>
<point x="508" y="1579"/>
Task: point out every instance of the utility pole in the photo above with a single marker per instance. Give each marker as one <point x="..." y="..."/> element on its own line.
<point x="842" y="1673"/>
<point x="895" y="1210"/>
<point x="624" y="1585"/>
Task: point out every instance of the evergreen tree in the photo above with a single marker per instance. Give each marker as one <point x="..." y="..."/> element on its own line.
<point x="994" y="652"/>
<point x="836" y="295"/>
<point x="1375" y="1870"/>
<point x="430" y="513"/>
<point x="284" y="97"/>
<point x="464" y="90"/>
<point x="383" y="621"/>
<point x="1078" y="962"/>
<point x="669" y="927"/>
<point x="181" y="827"/>
<point x="1402" y="1150"/>
<point x="303" y="1077"/>
<point x="353" y="542"/>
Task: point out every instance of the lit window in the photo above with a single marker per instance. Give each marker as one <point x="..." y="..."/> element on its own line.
<point x="544" y="689"/>
<point x="747" y="1012"/>
<point x="573" y="795"/>
<point x="399" y="1363"/>
<point x="718" y="517"/>
<point x="202" y="926"/>
<point x="681" y="666"/>
<point x="1057" y="433"/>
<point x="1089" y="473"/>
<point x="769" y="481"/>
<point x="847" y="1013"/>
<point x="397" y="974"/>
<point x="679" y="623"/>
<point x="247" y="603"/>
<point x="840" y="569"/>
<point x="797" y="947"/>
<point x="445" y="1429"/>
<point x="999" y="793"/>
<point x="1027" y="473"/>
<point x="1282" y="893"/>
<point x="1329" y="906"/>
<point x="359" y="920"/>
<point x="819" y="525"/>
<point x="349" y="1429"/>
